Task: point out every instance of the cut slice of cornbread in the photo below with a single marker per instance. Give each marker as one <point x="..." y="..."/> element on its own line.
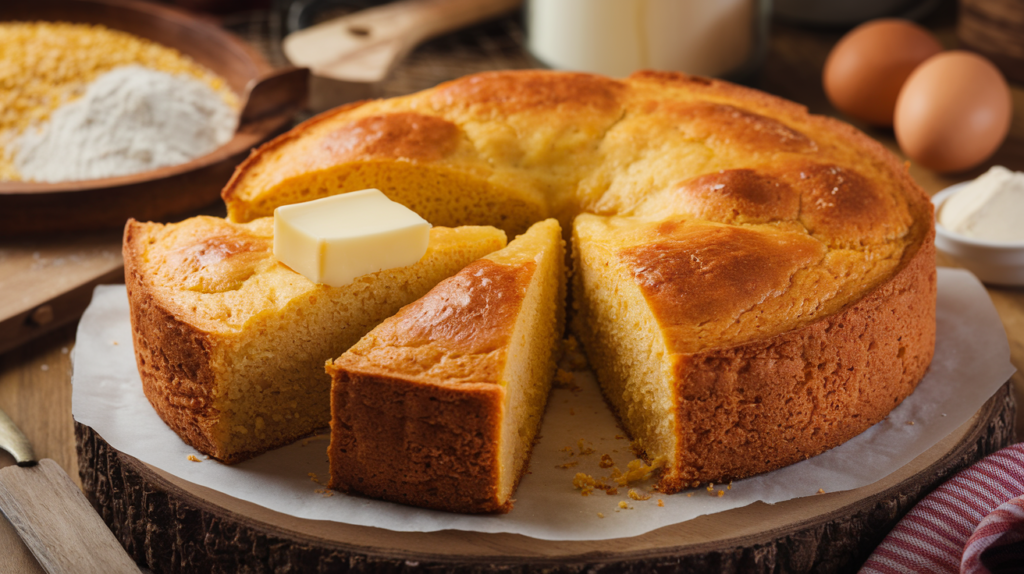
<point x="708" y="339"/>
<point x="439" y="406"/>
<point x="230" y="343"/>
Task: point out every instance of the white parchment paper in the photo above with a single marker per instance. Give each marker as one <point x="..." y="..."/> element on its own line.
<point x="972" y="360"/>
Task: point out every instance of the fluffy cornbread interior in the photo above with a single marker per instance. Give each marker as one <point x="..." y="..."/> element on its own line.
<point x="230" y="344"/>
<point x="439" y="406"/>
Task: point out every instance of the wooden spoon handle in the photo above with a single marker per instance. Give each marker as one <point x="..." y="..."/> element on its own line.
<point x="364" y="46"/>
<point x="57" y="523"/>
<point x="417" y="20"/>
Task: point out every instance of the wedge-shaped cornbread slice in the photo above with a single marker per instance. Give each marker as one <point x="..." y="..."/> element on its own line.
<point x="230" y="343"/>
<point x="727" y="351"/>
<point x="439" y="405"/>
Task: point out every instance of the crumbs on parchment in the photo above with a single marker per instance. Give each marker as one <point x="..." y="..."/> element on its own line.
<point x="194" y="458"/>
<point x="584" y="482"/>
<point x="565" y="380"/>
<point x="637" y="496"/>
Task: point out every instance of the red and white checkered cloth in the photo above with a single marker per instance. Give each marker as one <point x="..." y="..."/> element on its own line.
<point x="973" y="524"/>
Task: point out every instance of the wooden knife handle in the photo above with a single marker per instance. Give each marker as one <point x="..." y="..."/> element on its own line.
<point x="57" y="523"/>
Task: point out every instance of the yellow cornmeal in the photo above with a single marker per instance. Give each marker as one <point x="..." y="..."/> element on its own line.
<point x="46" y="64"/>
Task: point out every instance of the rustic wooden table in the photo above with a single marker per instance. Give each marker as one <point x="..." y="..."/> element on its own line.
<point x="35" y="378"/>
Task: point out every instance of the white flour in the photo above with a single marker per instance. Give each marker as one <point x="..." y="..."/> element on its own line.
<point x="129" y="120"/>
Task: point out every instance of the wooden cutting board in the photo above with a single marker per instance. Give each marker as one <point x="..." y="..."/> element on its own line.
<point x="172" y="525"/>
<point x="48" y="282"/>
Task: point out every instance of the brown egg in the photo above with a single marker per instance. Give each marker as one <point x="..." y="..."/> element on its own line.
<point x="865" y="70"/>
<point x="953" y="112"/>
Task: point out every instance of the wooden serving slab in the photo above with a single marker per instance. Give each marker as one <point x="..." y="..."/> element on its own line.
<point x="172" y="525"/>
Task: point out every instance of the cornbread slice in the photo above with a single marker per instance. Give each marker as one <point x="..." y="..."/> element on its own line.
<point x="439" y="405"/>
<point x="731" y="350"/>
<point x="230" y="343"/>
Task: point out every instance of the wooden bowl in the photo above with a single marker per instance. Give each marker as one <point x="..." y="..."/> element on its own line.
<point x="158" y="194"/>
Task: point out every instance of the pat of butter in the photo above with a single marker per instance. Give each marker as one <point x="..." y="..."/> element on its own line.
<point x="338" y="238"/>
<point x="989" y="207"/>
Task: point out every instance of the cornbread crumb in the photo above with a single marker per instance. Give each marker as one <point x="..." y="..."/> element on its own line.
<point x="661" y="502"/>
<point x="606" y="461"/>
<point x="194" y="458"/>
<point x="821" y="491"/>
<point x="636" y="471"/>
<point x="600" y="515"/>
<point x="910" y="422"/>
<point x="584" y="482"/>
<point x="637" y="496"/>
<point x="312" y="476"/>
<point x="623" y="504"/>
<point x="568" y="465"/>
<point x="584" y="449"/>
<point x="565" y="380"/>
<point x="568" y="449"/>
<point x="610" y="490"/>
<point x="573" y="359"/>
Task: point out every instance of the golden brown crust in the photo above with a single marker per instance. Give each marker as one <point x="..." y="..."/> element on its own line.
<point x="433" y="445"/>
<point x="694" y="275"/>
<point x="466" y="319"/>
<point x="499" y="94"/>
<point x="231" y="189"/>
<point x="417" y="404"/>
<point x="767" y="404"/>
<point x="173" y="357"/>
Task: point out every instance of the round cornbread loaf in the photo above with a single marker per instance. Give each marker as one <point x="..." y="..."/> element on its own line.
<point x="752" y="284"/>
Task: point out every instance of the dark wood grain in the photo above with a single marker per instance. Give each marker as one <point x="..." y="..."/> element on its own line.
<point x="174" y="526"/>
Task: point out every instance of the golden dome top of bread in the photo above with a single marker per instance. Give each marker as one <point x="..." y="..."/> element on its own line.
<point x="536" y="144"/>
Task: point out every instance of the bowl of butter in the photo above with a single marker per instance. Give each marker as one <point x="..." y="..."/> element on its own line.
<point x="980" y="224"/>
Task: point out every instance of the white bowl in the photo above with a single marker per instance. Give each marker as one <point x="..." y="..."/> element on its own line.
<point x="995" y="262"/>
